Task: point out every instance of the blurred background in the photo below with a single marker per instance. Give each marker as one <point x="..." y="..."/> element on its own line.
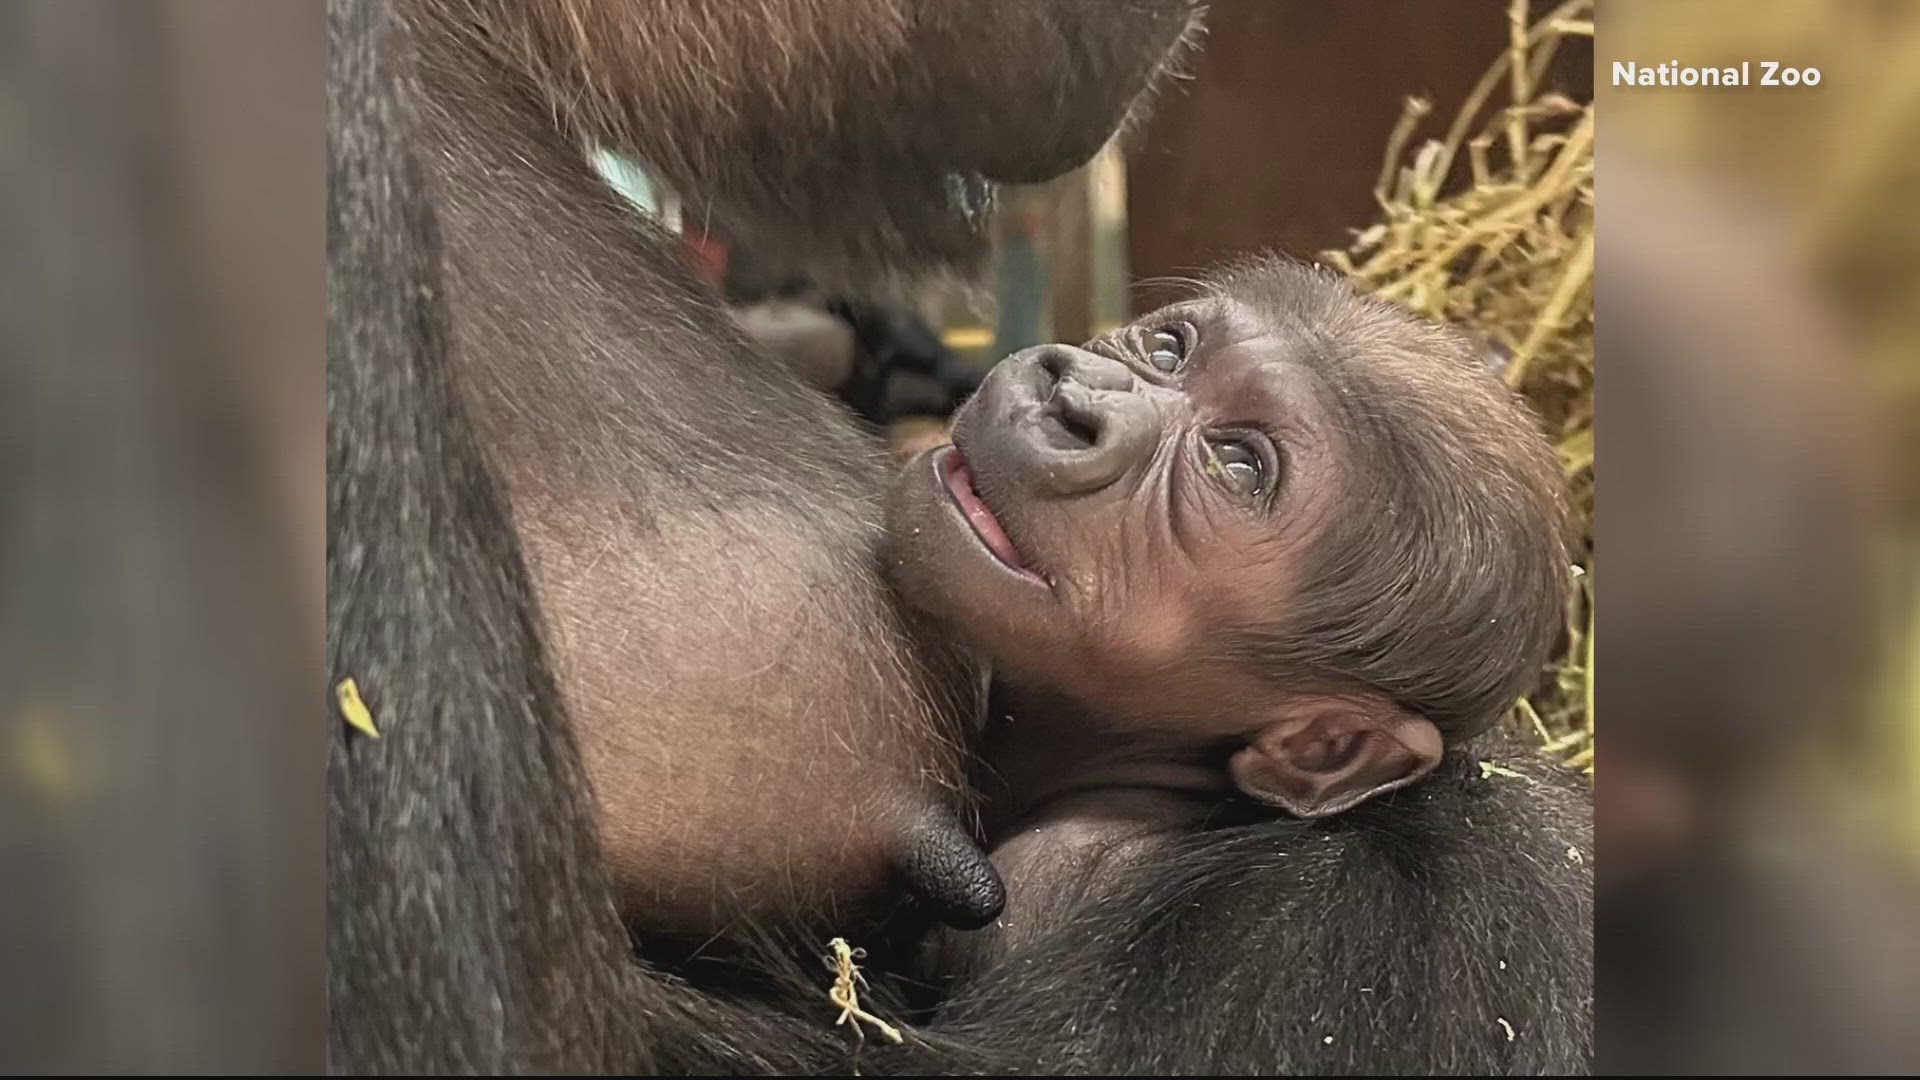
<point x="162" y="279"/>
<point x="1759" y="256"/>
<point x="160" y="467"/>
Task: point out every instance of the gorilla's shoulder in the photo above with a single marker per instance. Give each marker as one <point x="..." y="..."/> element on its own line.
<point x="1496" y="819"/>
<point x="1456" y="915"/>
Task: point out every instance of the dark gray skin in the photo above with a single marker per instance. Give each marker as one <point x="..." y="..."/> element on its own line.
<point x="1132" y="534"/>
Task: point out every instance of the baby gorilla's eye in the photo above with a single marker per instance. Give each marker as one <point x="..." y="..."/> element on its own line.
<point x="1238" y="465"/>
<point x="1169" y="349"/>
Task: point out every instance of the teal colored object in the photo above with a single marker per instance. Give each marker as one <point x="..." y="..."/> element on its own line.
<point x="1021" y="286"/>
<point x="633" y="184"/>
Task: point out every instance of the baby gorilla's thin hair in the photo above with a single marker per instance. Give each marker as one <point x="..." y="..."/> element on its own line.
<point x="1440" y="580"/>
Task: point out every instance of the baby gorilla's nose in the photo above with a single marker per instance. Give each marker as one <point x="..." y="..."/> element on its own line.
<point x="1090" y="427"/>
<point x="1091" y="370"/>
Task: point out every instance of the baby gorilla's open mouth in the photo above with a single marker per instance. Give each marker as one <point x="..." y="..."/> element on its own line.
<point x="958" y="480"/>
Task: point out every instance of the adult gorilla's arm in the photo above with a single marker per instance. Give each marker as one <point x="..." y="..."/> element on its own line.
<point x="1447" y="928"/>
<point x="470" y="925"/>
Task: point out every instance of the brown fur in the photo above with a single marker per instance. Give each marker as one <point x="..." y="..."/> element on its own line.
<point x="783" y="118"/>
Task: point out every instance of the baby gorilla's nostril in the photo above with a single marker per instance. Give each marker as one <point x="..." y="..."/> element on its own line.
<point x="1086" y="429"/>
<point x="1069" y="428"/>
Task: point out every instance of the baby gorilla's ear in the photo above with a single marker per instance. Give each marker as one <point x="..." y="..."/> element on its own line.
<point x="1322" y="756"/>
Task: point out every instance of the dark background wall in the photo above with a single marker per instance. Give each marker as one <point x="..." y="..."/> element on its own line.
<point x="1278" y="138"/>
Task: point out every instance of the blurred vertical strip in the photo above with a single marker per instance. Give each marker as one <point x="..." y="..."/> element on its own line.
<point x="1758" y="256"/>
<point x="160" y="419"/>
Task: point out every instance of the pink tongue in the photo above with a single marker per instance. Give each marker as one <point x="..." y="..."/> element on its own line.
<point x="960" y="482"/>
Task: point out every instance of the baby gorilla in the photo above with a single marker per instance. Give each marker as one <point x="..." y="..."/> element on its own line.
<point x="1275" y="547"/>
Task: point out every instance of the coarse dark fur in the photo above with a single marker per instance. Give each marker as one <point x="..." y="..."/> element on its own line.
<point x="428" y="607"/>
<point x="1389" y="940"/>
<point x="472" y="926"/>
<point x="470" y="923"/>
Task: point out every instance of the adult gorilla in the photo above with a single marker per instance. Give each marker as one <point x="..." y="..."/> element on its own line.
<point x="762" y="734"/>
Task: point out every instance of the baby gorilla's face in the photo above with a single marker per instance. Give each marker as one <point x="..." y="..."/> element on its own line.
<point x="1286" y="517"/>
<point x="1103" y="510"/>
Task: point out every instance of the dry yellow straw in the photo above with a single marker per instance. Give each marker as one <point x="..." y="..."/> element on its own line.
<point x="845" y="993"/>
